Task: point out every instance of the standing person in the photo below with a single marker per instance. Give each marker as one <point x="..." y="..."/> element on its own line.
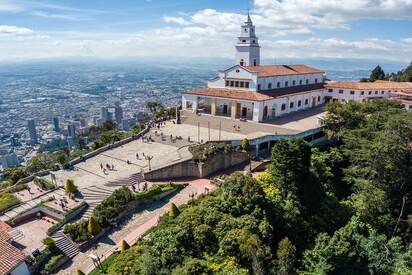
<point x="101" y="166"/>
<point x="137" y="155"/>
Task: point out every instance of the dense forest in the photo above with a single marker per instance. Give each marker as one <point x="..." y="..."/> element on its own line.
<point x="341" y="210"/>
<point x="378" y="73"/>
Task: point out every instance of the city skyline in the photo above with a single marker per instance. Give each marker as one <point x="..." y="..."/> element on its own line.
<point x="378" y="30"/>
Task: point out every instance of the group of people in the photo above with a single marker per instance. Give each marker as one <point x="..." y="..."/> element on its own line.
<point x="147" y="139"/>
<point x="138" y="186"/>
<point x="236" y="127"/>
<point x="138" y="156"/>
<point x="106" y="167"/>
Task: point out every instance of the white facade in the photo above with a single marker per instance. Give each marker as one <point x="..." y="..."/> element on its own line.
<point x="347" y="94"/>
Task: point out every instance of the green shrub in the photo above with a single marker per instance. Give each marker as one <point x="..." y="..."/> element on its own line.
<point x="52" y="263"/>
<point x="125" y="246"/>
<point x="44" y="184"/>
<point x="77" y="231"/>
<point x="18" y="188"/>
<point x="70" y="187"/>
<point x="93" y="227"/>
<point x="7" y="200"/>
<point x="111" y="207"/>
<point x="203" y="151"/>
<point x="173" y="211"/>
<point x="49" y="242"/>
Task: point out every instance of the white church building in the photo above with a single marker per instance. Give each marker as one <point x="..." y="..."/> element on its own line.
<point x="252" y="91"/>
<point x="256" y="92"/>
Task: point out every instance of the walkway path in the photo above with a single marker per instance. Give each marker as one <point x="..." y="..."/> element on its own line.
<point x="133" y="228"/>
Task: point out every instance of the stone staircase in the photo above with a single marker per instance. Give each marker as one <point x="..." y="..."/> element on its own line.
<point x="94" y="195"/>
<point x="65" y="244"/>
<point x="133" y="179"/>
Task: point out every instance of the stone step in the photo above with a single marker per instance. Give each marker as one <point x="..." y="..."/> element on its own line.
<point x="65" y="244"/>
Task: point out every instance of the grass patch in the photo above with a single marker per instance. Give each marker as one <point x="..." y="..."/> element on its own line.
<point x="7" y="200"/>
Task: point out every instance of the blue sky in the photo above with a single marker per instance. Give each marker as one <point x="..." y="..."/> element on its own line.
<point x="370" y="29"/>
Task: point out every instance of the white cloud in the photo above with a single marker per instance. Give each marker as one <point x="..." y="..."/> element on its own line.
<point x="8" y="6"/>
<point x="59" y="16"/>
<point x="176" y="20"/>
<point x="4" y="29"/>
<point x="212" y="33"/>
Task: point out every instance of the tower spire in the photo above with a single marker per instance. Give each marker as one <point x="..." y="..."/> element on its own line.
<point x="247" y="47"/>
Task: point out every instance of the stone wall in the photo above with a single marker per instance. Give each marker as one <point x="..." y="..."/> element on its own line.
<point x="189" y="168"/>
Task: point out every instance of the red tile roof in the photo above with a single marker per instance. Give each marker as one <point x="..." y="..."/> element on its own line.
<point x="10" y="256"/>
<point x="278" y="70"/>
<point x="255" y="96"/>
<point x="5" y="227"/>
<point x="377" y="85"/>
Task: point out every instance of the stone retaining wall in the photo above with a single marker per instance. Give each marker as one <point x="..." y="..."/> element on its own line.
<point x="189" y="168"/>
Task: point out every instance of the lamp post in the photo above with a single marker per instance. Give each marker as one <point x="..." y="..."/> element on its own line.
<point x="149" y="158"/>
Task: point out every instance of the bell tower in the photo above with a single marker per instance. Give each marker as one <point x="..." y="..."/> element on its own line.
<point x="247" y="46"/>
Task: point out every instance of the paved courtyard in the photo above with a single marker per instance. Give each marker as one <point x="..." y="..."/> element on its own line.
<point x="33" y="231"/>
<point x="32" y="192"/>
<point x="206" y="127"/>
<point x="89" y="173"/>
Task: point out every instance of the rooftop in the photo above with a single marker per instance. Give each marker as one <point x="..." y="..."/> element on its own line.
<point x="255" y="96"/>
<point x="379" y="84"/>
<point x="278" y="70"/>
<point x="10" y="256"/>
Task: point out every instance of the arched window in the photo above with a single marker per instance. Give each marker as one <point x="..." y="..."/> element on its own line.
<point x="242" y="62"/>
<point x="254" y="62"/>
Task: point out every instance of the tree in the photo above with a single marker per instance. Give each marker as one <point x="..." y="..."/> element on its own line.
<point x="36" y="164"/>
<point x="14" y="174"/>
<point x="290" y="165"/>
<point x="93" y="226"/>
<point x="70" y="187"/>
<point x="286" y="255"/>
<point x="355" y="248"/>
<point x="152" y="105"/>
<point x="61" y="158"/>
<point x="245" y="146"/>
<point x="377" y="74"/>
<point x="125" y="246"/>
<point x="108" y="125"/>
<point x="173" y="211"/>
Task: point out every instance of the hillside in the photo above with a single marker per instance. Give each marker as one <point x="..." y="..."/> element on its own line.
<point x="344" y="210"/>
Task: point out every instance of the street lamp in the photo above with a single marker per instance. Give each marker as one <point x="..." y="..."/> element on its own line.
<point x="149" y="158"/>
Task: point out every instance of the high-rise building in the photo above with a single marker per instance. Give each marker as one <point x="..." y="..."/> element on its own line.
<point x="56" y="125"/>
<point x="125" y="125"/>
<point x="118" y="114"/>
<point x="31" y="126"/>
<point x="14" y="141"/>
<point x="71" y="130"/>
<point x="104" y="114"/>
<point x="9" y="160"/>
